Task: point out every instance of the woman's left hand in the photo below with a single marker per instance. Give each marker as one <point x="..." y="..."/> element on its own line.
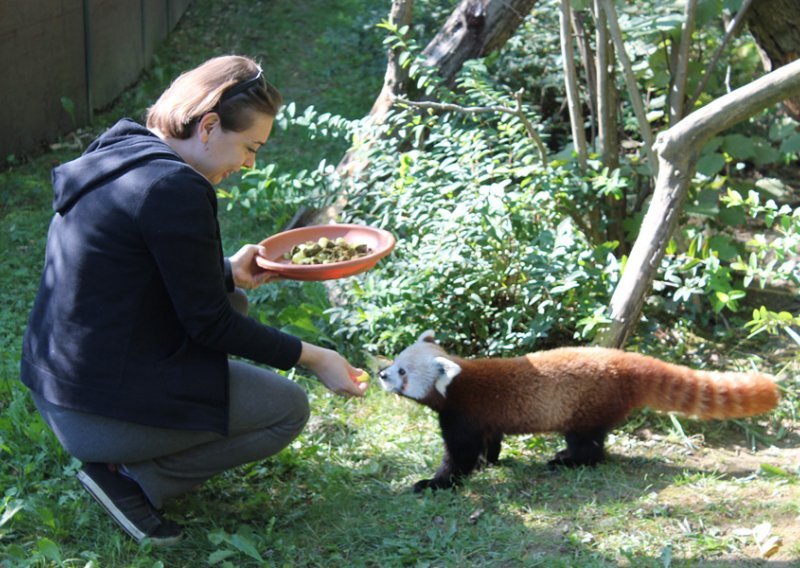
<point x="246" y="273"/>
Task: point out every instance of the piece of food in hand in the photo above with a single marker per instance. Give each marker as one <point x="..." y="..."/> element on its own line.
<point x="326" y="251"/>
<point x="362" y="378"/>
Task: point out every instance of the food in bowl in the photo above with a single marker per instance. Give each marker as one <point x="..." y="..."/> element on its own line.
<point x="326" y="251"/>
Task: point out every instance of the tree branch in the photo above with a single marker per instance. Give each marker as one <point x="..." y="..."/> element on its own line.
<point x="731" y="31"/>
<point x="678" y="150"/>
<point x="606" y="94"/>
<point x="678" y="91"/>
<point x="517" y="111"/>
<point x="571" y="83"/>
<point x="630" y="82"/>
<point x="588" y="61"/>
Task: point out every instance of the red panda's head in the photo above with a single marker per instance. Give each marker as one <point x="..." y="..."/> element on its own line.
<point x="421" y="371"/>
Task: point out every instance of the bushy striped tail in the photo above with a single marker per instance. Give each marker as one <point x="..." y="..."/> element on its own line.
<point x="708" y="394"/>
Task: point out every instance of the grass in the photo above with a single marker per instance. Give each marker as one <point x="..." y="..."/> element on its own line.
<point x="339" y="496"/>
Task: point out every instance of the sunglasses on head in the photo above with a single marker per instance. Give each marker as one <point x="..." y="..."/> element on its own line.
<point x="243" y="86"/>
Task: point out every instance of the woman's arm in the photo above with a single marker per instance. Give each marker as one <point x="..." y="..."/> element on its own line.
<point x="332" y="369"/>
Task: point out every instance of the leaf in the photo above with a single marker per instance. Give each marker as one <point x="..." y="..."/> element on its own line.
<point x="666" y="556"/>
<point x="50" y="549"/>
<point x="10" y="511"/>
<point x="767" y="544"/>
<point x="791" y="145"/>
<point x="774" y="187"/>
<point x="219" y="555"/>
<point x="69" y="106"/>
<point x="732" y="216"/>
<point x="764" y="154"/>
<point x="473" y="518"/>
<point x="793" y="334"/>
<point x="770" y="547"/>
<point x="710" y="164"/>
<point x="243" y="544"/>
<point x="775" y="471"/>
<point x="739" y="146"/>
<point x="706" y="204"/>
<point x="725" y="247"/>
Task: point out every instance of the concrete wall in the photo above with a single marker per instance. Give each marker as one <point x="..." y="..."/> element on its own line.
<point x="83" y="51"/>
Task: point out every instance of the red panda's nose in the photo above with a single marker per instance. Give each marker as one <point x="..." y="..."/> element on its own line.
<point x="382" y="375"/>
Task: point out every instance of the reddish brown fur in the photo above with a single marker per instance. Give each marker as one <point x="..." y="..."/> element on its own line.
<point x="586" y="388"/>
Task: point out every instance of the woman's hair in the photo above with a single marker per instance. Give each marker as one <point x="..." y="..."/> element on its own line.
<point x="232" y="86"/>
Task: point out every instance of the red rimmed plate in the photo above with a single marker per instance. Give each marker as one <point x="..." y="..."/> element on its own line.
<point x="379" y="241"/>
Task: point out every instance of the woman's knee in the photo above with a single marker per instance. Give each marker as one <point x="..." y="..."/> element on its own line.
<point x="301" y="409"/>
<point x="260" y="398"/>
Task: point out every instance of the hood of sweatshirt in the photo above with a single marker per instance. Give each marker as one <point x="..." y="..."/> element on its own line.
<point x="125" y="145"/>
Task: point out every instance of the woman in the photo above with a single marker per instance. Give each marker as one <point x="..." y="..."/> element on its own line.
<point x="126" y="352"/>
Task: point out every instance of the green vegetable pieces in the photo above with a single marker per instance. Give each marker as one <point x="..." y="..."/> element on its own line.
<point x="326" y="251"/>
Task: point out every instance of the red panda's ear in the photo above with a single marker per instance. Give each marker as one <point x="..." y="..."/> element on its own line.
<point x="448" y="370"/>
<point x="428" y="336"/>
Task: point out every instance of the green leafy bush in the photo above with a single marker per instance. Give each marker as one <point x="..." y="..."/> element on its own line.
<point x="487" y="252"/>
<point x="498" y="251"/>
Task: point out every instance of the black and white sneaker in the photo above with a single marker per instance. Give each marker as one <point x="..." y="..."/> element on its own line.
<point x="127" y="504"/>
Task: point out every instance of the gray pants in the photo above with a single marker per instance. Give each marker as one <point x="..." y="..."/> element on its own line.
<point x="267" y="412"/>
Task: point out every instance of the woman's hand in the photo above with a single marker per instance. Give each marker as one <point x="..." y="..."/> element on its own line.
<point x="246" y="273"/>
<point x="332" y="370"/>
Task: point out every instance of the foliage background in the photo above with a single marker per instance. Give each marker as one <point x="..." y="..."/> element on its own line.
<point x="483" y="225"/>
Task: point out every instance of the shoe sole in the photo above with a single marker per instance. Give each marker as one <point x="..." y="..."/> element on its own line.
<point x="119" y="517"/>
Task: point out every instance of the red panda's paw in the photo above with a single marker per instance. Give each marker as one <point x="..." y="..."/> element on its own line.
<point x="433" y="484"/>
<point x="565" y="458"/>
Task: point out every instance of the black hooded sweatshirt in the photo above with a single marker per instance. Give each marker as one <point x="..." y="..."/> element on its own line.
<point x="132" y="319"/>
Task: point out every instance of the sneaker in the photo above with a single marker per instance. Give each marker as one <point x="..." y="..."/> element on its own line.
<point x="127" y="504"/>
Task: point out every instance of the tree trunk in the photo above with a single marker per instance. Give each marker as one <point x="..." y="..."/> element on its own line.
<point x="474" y="29"/>
<point x="607" y="133"/>
<point x="396" y="75"/>
<point x="678" y="149"/>
<point x="352" y="163"/>
<point x="775" y="25"/>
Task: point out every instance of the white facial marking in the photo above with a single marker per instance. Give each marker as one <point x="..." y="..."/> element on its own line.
<point x="449" y="371"/>
<point x="419" y="370"/>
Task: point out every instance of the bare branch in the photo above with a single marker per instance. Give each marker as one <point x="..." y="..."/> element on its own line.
<point x="606" y="94"/>
<point x="630" y="82"/>
<point x="516" y="111"/>
<point x="571" y="82"/>
<point x="678" y="150"/>
<point x="678" y="91"/>
<point x="588" y="61"/>
<point x="712" y="64"/>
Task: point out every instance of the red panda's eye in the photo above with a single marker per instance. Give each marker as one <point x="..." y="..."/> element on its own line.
<point x="402" y="372"/>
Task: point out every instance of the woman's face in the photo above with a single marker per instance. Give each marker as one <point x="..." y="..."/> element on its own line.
<point x="223" y="152"/>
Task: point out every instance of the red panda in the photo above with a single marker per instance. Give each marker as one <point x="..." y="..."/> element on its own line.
<point x="581" y="392"/>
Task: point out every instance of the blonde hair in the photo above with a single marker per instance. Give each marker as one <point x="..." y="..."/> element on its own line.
<point x="203" y="89"/>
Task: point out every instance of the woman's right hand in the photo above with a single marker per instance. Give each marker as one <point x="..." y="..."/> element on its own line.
<point x="332" y="370"/>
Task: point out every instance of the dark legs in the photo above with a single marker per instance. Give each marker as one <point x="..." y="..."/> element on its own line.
<point x="493" y="442"/>
<point x="584" y="448"/>
<point x="465" y="449"/>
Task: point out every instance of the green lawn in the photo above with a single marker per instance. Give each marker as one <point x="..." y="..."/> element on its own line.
<point x="340" y="495"/>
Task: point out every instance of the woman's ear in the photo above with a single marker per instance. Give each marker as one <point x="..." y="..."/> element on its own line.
<point x="206" y="124"/>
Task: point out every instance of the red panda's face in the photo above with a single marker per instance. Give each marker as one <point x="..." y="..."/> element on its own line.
<point x="420" y="370"/>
